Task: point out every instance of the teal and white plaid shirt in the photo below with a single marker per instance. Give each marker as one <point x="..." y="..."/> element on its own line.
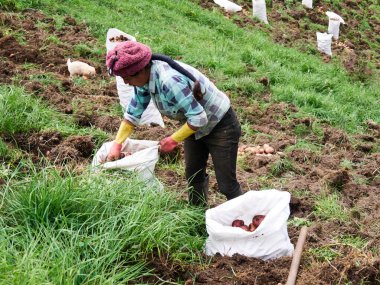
<point x="171" y="92"/>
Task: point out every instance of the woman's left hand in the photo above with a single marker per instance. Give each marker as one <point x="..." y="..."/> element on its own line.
<point x="167" y="144"/>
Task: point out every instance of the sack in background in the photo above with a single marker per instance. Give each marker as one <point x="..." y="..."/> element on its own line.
<point x="126" y="92"/>
<point x="228" y="5"/>
<point x="143" y="158"/>
<point x="308" y="3"/>
<point x="270" y="240"/>
<point x="259" y="10"/>
<point x="334" y="23"/>
<point x="324" y="43"/>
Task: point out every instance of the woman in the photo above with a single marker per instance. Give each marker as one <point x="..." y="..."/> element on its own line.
<point x="181" y="92"/>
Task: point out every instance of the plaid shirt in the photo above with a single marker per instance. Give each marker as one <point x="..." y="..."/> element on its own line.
<point x="172" y="94"/>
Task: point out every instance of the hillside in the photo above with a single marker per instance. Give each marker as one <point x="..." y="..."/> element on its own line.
<point x="60" y="222"/>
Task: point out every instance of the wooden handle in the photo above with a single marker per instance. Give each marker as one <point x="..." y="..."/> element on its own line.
<point x="297" y="257"/>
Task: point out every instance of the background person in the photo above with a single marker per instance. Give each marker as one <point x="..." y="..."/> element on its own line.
<point x="181" y="92"/>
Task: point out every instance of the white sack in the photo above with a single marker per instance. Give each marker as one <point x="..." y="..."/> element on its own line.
<point x="324" y="43"/>
<point x="126" y="92"/>
<point x="308" y="3"/>
<point x="270" y="240"/>
<point x="228" y="5"/>
<point x="143" y="158"/>
<point x="334" y="22"/>
<point x="259" y="10"/>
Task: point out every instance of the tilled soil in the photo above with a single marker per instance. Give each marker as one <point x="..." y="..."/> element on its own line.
<point x="339" y="163"/>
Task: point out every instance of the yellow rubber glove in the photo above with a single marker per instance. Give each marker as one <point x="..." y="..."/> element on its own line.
<point x="124" y="131"/>
<point x="184" y="132"/>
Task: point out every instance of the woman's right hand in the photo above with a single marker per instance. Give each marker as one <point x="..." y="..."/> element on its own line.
<point x="115" y="152"/>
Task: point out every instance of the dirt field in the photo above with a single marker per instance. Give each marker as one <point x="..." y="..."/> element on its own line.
<point x="311" y="173"/>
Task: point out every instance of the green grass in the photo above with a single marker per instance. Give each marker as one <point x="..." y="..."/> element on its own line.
<point x="299" y="222"/>
<point x="84" y="50"/>
<point x="281" y="166"/>
<point x="8" y="157"/>
<point x="57" y="228"/>
<point x="22" y="113"/>
<point x="3" y="149"/>
<point x="52" y="40"/>
<point x="324" y="253"/>
<point x="209" y="41"/>
<point x="247" y="131"/>
<point x="173" y="164"/>
<point x="345" y="163"/>
<point x="304" y="145"/>
<point x="328" y="207"/>
<point x="353" y="241"/>
<point x="45" y="78"/>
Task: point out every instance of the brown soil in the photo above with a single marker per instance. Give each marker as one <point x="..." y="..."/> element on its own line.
<point x="292" y="25"/>
<point x="338" y="163"/>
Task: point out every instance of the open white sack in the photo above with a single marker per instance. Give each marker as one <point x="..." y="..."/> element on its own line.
<point x="270" y="240"/>
<point x="334" y="23"/>
<point x="143" y="158"/>
<point x="308" y="3"/>
<point x="126" y="92"/>
<point x="228" y="5"/>
<point x="259" y="10"/>
<point x="324" y="43"/>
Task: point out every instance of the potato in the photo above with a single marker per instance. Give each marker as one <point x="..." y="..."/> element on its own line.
<point x="238" y="223"/>
<point x="251" y="149"/>
<point x="256" y="220"/>
<point x="244" y="227"/>
<point x="251" y="227"/>
<point x="269" y="149"/>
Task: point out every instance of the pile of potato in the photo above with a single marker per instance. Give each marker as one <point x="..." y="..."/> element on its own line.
<point x="265" y="149"/>
<point x="256" y="221"/>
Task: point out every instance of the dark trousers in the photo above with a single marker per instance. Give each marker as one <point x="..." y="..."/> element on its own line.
<point x="222" y="144"/>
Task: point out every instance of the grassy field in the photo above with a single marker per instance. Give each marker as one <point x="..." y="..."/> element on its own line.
<point x="61" y="227"/>
<point x="228" y="52"/>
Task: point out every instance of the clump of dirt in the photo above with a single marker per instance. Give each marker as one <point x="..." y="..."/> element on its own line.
<point x="73" y="149"/>
<point x="337" y="179"/>
<point x="54" y="147"/>
<point x="37" y="143"/>
<point x="103" y="122"/>
<point x="153" y="133"/>
<point x="11" y="49"/>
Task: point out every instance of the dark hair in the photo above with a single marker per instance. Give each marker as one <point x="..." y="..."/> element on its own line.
<point x="197" y="92"/>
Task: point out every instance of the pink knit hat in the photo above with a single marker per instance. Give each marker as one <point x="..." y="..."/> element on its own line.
<point x="128" y="58"/>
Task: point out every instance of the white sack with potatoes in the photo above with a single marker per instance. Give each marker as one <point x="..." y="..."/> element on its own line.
<point x="270" y="240"/>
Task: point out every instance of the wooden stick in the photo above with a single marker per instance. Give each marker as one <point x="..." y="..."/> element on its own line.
<point x="297" y="257"/>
